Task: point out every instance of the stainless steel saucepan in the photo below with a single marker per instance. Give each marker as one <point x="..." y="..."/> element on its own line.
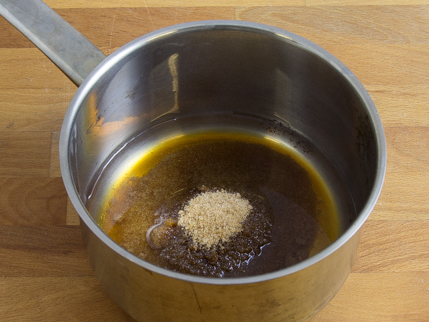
<point x="211" y="74"/>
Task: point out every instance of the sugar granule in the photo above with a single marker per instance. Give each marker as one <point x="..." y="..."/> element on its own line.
<point x="213" y="217"/>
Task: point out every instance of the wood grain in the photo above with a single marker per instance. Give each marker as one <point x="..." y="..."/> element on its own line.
<point x="32" y="201"/>
<point x="30" y="251"/>
<point x="346" y="24"/>
<point x="112" y="28"/>
<point x="72" y="217"/>
<point x="40" y="299"/>
<point x="404" y="195"/>
<point x="396" y="202"/>
<point x="167" y="3"/>
<point x="394" y="246"/>
<point x="32" y="109"/>
<point x="48" y="298"/>
<point x="24" y="154"/>
<point x="44" y="272"/>
<point x="28" y="68"/>
<point x="364" y="2"/>
<point x="54" y="162"/>
<point x="380" y="297"/>
<point x="385" y="64"/>
<point x="401" y="105"/>
<point x="231" y="3"/>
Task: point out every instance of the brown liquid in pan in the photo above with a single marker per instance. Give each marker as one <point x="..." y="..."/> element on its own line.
<point x="293" y="214"/>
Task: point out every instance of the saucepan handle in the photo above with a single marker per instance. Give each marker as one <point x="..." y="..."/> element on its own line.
<point x="75" y="55"/>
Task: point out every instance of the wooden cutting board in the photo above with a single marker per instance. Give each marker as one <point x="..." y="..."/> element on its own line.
<point x="44" y="272"/>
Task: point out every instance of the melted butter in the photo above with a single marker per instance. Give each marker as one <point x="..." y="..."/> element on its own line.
<point x="167" y="174"/>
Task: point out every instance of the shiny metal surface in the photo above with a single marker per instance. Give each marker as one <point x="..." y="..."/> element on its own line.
<point x="223" y="74"/>
<point x="148" y="294"/>
<point x="207" y="70"/>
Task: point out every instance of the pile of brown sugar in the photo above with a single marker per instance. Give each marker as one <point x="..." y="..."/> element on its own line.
<point x="213" y="217"/>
